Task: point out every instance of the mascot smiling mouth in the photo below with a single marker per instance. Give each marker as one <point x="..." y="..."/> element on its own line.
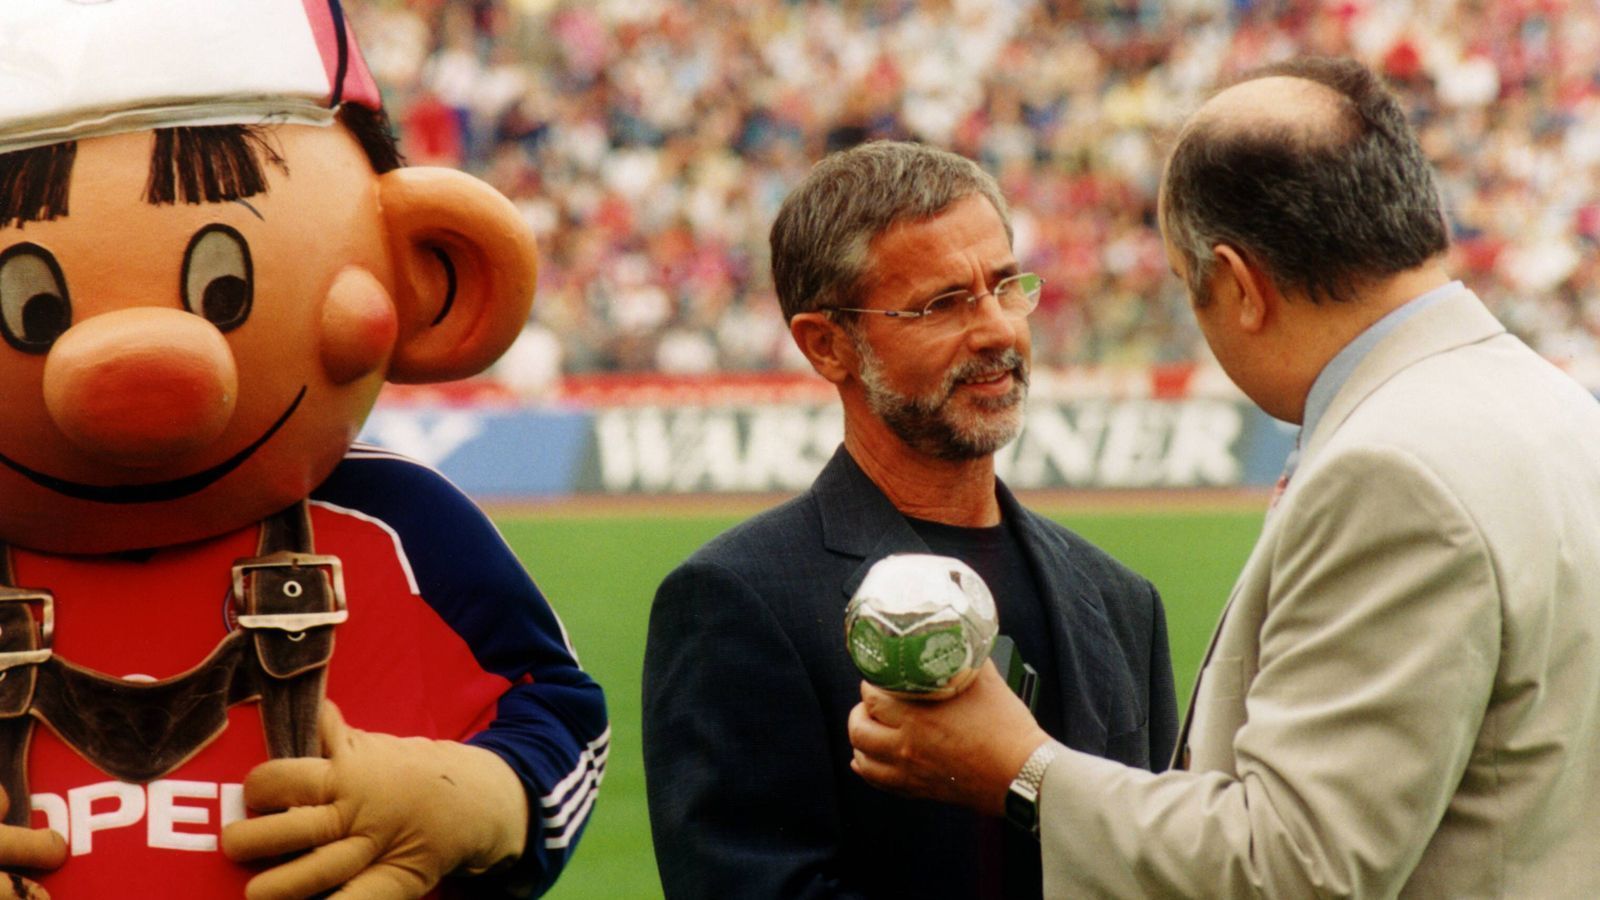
<point x="156" y="491"/>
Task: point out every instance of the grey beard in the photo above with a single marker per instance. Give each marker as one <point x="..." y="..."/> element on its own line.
<point x="927" y="424"/>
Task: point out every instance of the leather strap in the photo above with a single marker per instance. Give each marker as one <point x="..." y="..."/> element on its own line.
<point x="288" y="599"/>
<point x="291" y="599"/>
<point x="140" y="731"/>
<point x="22" y="643"/>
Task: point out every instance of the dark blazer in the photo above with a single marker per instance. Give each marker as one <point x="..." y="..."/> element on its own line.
<point x="747" y="688"/>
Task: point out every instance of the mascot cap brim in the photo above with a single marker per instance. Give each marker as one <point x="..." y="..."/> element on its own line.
<point x="75" y="69"/>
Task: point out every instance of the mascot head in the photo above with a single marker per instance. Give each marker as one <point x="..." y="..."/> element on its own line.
<point x="210" y="262"/>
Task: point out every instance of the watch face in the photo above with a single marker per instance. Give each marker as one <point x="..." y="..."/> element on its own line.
<point x="1022" y="810"/>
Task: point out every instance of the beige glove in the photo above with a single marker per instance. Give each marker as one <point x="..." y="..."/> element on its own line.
<point x="386" y="817"/>
<point x="26" y="848"/>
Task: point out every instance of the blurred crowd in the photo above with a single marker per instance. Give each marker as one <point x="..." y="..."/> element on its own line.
<point x="649" y="142"/>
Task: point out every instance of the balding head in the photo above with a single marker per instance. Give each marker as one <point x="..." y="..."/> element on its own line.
<point x="1309" y="169"/>
<point x="1278" y="105"/>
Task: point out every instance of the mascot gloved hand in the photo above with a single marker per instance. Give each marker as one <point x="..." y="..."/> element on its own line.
<point x="211" y="260"/>
<point x="462" y="811"/>
<point x="22" y="849"/>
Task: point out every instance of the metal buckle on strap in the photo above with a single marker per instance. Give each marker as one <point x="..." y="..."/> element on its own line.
<point x="291" y="622"/>
<point x="47" y="628"/>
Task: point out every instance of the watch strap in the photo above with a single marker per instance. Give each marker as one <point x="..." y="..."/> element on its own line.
<point x="1022" y="798"/>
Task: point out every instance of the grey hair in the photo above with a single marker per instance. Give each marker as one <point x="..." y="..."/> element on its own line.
<point x="1325" y="207"/>
<point x="822" y="236"/>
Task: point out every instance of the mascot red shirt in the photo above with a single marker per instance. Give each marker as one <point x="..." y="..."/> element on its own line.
<point x="237" y="654"/>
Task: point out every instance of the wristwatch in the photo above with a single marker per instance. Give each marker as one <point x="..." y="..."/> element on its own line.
<point x="1022" y="798"/>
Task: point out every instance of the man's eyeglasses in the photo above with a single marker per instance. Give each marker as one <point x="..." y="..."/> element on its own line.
<point x="1017" y="295"/>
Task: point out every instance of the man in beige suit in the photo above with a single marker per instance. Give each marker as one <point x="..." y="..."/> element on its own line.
<point x="1403" y="696"/>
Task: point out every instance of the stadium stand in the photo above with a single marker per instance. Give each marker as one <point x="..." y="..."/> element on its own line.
<point x="650" y="142"/>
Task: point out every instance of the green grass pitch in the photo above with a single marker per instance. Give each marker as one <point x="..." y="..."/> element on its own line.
<point x="600" y="571"/>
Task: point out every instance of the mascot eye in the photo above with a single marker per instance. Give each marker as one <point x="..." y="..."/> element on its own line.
<point x="217" y="279"/>
<point x="34" y="308"/>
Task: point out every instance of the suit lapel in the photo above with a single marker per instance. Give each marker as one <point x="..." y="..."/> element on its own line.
<point x="858" y="521"/>
<point x="1085" y="647"/>
<point x="1258" y="555"/>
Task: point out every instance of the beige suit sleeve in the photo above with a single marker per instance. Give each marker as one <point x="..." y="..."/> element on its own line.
<point x="1377" y="656"/>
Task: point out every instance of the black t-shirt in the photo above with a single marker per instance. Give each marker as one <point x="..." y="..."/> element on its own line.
<point x="996" y="554"/>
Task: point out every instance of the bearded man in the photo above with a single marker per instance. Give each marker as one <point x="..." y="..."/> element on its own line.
<point x="894" y="267"/>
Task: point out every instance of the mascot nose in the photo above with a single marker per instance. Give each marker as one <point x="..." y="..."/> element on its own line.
<point x="140" y="386"/>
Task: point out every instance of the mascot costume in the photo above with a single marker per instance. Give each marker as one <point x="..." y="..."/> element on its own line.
<point x="238" y="655"/>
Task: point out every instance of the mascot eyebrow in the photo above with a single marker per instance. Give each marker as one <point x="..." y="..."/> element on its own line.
<point x="205" y="164"/>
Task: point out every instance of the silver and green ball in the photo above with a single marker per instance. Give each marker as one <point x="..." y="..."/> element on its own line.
<point x="920" y="625"/>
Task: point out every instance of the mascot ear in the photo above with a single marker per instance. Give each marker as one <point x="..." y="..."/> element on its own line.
<point x="465" y="267"/>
